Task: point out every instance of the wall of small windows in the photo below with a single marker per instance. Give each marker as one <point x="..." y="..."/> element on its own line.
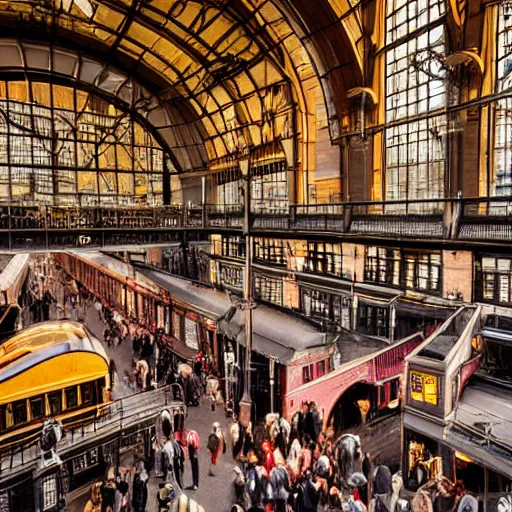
<point x="415" y="86"/>
<point x="373" y="320"/>
<point x="324" y="258"/>
<point x="228" y="187"/>
<point x="326" y="308"/>
<point x="64" y="146"/>
<point x="49" y="491"/>
<point x="382" y="265"/>
<point x="268" y="289"/>
<point x="494" y="280"/>
<point x="502" y="183"/>
<point x="269" y="188"/>
<point x="270" y="250"/>
<point x="422" y="271"/>
<point x="416" y="270"/>
<point x="233" y="247"/>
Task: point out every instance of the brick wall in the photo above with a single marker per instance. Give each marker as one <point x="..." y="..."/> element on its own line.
<point x="458" y="274"/>
<point x="291" y="294"/>
<point x="154" y="256"/>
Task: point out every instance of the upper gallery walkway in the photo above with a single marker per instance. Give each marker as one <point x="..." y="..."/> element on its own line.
<point x="447" y="221"/>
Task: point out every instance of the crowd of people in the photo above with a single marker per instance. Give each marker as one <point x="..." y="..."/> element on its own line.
<point x="309" y="470"/>
<point x="284" y="468"/>
<point x="279" y="467"/>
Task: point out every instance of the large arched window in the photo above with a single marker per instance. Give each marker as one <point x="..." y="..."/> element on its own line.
<point x="61" y="145"/>
<point x="415" y="89"/>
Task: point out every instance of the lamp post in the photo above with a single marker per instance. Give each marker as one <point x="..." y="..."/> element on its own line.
<point x="247" y="303"/>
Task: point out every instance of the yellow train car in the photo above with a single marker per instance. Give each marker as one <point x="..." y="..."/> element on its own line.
<point x="52" y="369"/>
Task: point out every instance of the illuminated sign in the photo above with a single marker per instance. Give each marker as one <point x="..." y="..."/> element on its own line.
<point x="424" y="387"/>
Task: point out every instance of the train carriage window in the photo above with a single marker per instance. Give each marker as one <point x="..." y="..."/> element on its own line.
<point x="19" y="410"/>
<point x="37" y="407"/>
<point x="71" y="397"/>
<point x="87" y="392"/>
<point x="55" y="401"/>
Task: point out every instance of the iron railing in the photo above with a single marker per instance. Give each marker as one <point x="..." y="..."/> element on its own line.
<point x="50" y="226"/>
<point x="108" y="418"/>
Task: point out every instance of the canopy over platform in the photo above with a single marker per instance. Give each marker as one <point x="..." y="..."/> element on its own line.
<point x="276" y="334"/>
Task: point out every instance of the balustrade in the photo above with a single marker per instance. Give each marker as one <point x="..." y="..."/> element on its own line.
<point x="456" y="218"/>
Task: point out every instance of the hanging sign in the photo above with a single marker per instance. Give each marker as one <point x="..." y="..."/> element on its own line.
<point x="424" y="387"/>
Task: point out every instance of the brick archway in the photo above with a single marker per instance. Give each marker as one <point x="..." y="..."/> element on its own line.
<point x="326" y="391"/>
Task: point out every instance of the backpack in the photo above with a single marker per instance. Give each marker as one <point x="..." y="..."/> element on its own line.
<point x="213" y="443"/>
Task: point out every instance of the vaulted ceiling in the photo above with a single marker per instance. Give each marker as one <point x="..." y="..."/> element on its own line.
<point x="219" y="76"/>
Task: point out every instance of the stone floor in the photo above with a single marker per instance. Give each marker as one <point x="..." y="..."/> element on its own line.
<point x="214" y="493"/>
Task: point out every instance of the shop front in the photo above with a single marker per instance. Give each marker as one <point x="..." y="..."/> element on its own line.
<point x="474" y="447"/>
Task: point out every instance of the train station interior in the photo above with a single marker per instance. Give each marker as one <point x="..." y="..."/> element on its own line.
<point x="288" y="218"/>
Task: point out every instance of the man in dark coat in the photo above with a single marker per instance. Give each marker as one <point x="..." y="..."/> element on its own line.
<point x="301" y="421"/>
<point x="140" y="489"/>
<point x="310" y="423"/>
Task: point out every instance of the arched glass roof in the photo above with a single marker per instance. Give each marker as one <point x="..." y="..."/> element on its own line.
<point x="222" y="76"/>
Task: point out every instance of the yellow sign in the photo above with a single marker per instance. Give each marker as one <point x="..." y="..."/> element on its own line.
<point x="424" y="387"/>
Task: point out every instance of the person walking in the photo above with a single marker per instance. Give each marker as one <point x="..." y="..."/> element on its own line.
<point x="215" y="446"/>
<point x="140" y="488"/>
<point x="256" y="479"/>
<point x="309" y="422"/>
<point x="108" y="492"/>
<point x="178" y="462"/>
<point x="192" y="439"/>
<point x="280" y="482"/>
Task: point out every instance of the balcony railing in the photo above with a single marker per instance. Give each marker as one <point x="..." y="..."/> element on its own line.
<point x="453" y="218"/>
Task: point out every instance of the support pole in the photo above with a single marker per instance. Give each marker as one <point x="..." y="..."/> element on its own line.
<point x="203" y="201"/>
<point x="246" y="402"/>
<point x="271" y="370"/>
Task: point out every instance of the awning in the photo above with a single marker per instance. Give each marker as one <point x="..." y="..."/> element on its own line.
<point x="423" y="426"/>
<point x="375" y="301"/>
<point x="12" y="277"/>
<point x="487" y="456"/>
<point x="276" y="334"/>
<point x="487" y="409"/>
<point x="419" y="309"/>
